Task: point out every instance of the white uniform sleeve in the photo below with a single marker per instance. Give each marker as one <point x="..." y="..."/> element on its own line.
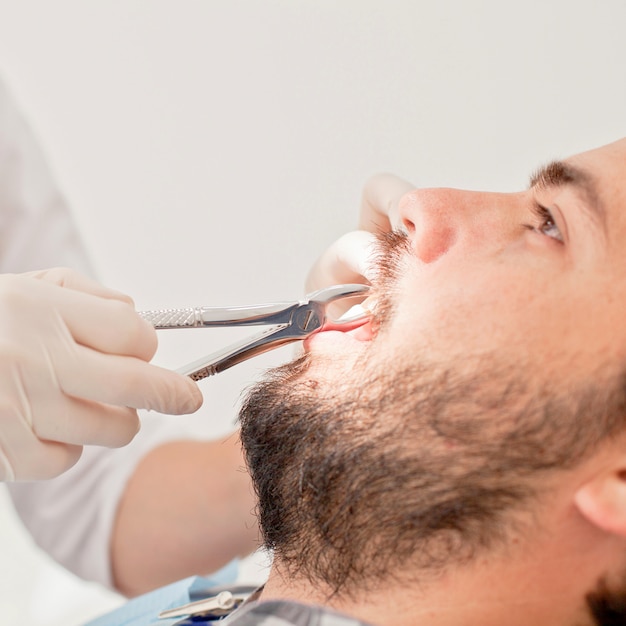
<point x="36" y="227"/>
<point x="70" y="517"/>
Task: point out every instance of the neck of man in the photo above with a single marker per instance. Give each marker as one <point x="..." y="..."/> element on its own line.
<point x="539" y="578"/>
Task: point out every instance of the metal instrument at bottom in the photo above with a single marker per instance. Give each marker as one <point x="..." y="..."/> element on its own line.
<point x="222" y="604"/>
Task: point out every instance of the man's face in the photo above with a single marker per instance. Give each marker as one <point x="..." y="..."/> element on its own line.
<point x="493" y="361"/>
<point x="539" y="274"/>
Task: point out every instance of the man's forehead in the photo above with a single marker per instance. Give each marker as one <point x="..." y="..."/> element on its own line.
<point x="605" y="169"/>
<point x="614" y="152"/>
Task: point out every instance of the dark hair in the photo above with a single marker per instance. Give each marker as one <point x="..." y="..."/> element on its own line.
<point x="608" y="606"/>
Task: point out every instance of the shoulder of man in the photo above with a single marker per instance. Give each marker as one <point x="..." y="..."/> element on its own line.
<point x="286" y="613"/>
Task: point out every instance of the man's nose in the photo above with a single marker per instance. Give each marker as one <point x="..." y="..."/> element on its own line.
<point x="438" y="219"/>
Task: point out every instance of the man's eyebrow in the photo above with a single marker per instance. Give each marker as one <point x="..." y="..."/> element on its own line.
<point x="561" y="174"/>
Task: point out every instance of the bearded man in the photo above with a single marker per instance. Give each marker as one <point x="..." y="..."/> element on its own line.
<point x="461" y="459"/>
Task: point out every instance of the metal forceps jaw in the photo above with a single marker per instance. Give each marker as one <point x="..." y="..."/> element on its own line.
<point x="289" y="321"/>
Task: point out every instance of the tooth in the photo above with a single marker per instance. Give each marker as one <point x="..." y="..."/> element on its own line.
<point x="353" y="312"/>
<point x="369" y="306"/>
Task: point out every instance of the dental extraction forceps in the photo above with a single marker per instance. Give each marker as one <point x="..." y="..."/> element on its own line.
<point x="290" y="321"/>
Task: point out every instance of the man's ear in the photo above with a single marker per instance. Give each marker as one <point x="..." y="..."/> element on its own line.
<point x="602" y="500"/>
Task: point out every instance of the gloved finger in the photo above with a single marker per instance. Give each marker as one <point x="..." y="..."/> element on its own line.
<point x="379" y="203"/>
<point x="126" y="381"/>
<point x="106" y="325"/>
<point x="70" y="279"/>
<point x="48" y="459"/>
<point x="28" y="458"/>
<point x="83" y="422"/>
<point x="347" y="260"/>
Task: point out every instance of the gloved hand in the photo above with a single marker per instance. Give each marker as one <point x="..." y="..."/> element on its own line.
<point x="349" y="259"/>
<point x="73" y="371"/>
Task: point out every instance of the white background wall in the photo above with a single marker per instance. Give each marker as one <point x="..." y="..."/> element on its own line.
<point x="210" y="150"/>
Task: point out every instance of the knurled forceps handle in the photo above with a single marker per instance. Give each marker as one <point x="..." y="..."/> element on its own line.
<point x="212" y="317"/>
<point x="289" y="321"/>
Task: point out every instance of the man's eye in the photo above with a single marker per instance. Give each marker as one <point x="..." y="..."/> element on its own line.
<point x="545" y="224"/>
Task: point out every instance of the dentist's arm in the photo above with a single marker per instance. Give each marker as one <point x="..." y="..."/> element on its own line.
<point x="188" y="508"/>
<point x="74" y="369"/>
<point x="88" y="517"/>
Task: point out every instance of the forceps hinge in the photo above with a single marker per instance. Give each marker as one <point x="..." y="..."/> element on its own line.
<point x="307" y="319"/>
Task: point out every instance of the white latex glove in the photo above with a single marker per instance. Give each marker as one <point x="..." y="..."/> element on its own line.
<point x="73" y="371"/>
<point x="349" y="258"/>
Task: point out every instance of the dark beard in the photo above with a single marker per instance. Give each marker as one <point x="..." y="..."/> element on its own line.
<point x="420" y="466"/>
<point x="407" y="467"/>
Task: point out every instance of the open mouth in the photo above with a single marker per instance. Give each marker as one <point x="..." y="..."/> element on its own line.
<point x="354" y="325"/>
<point x="353" y="318"/>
